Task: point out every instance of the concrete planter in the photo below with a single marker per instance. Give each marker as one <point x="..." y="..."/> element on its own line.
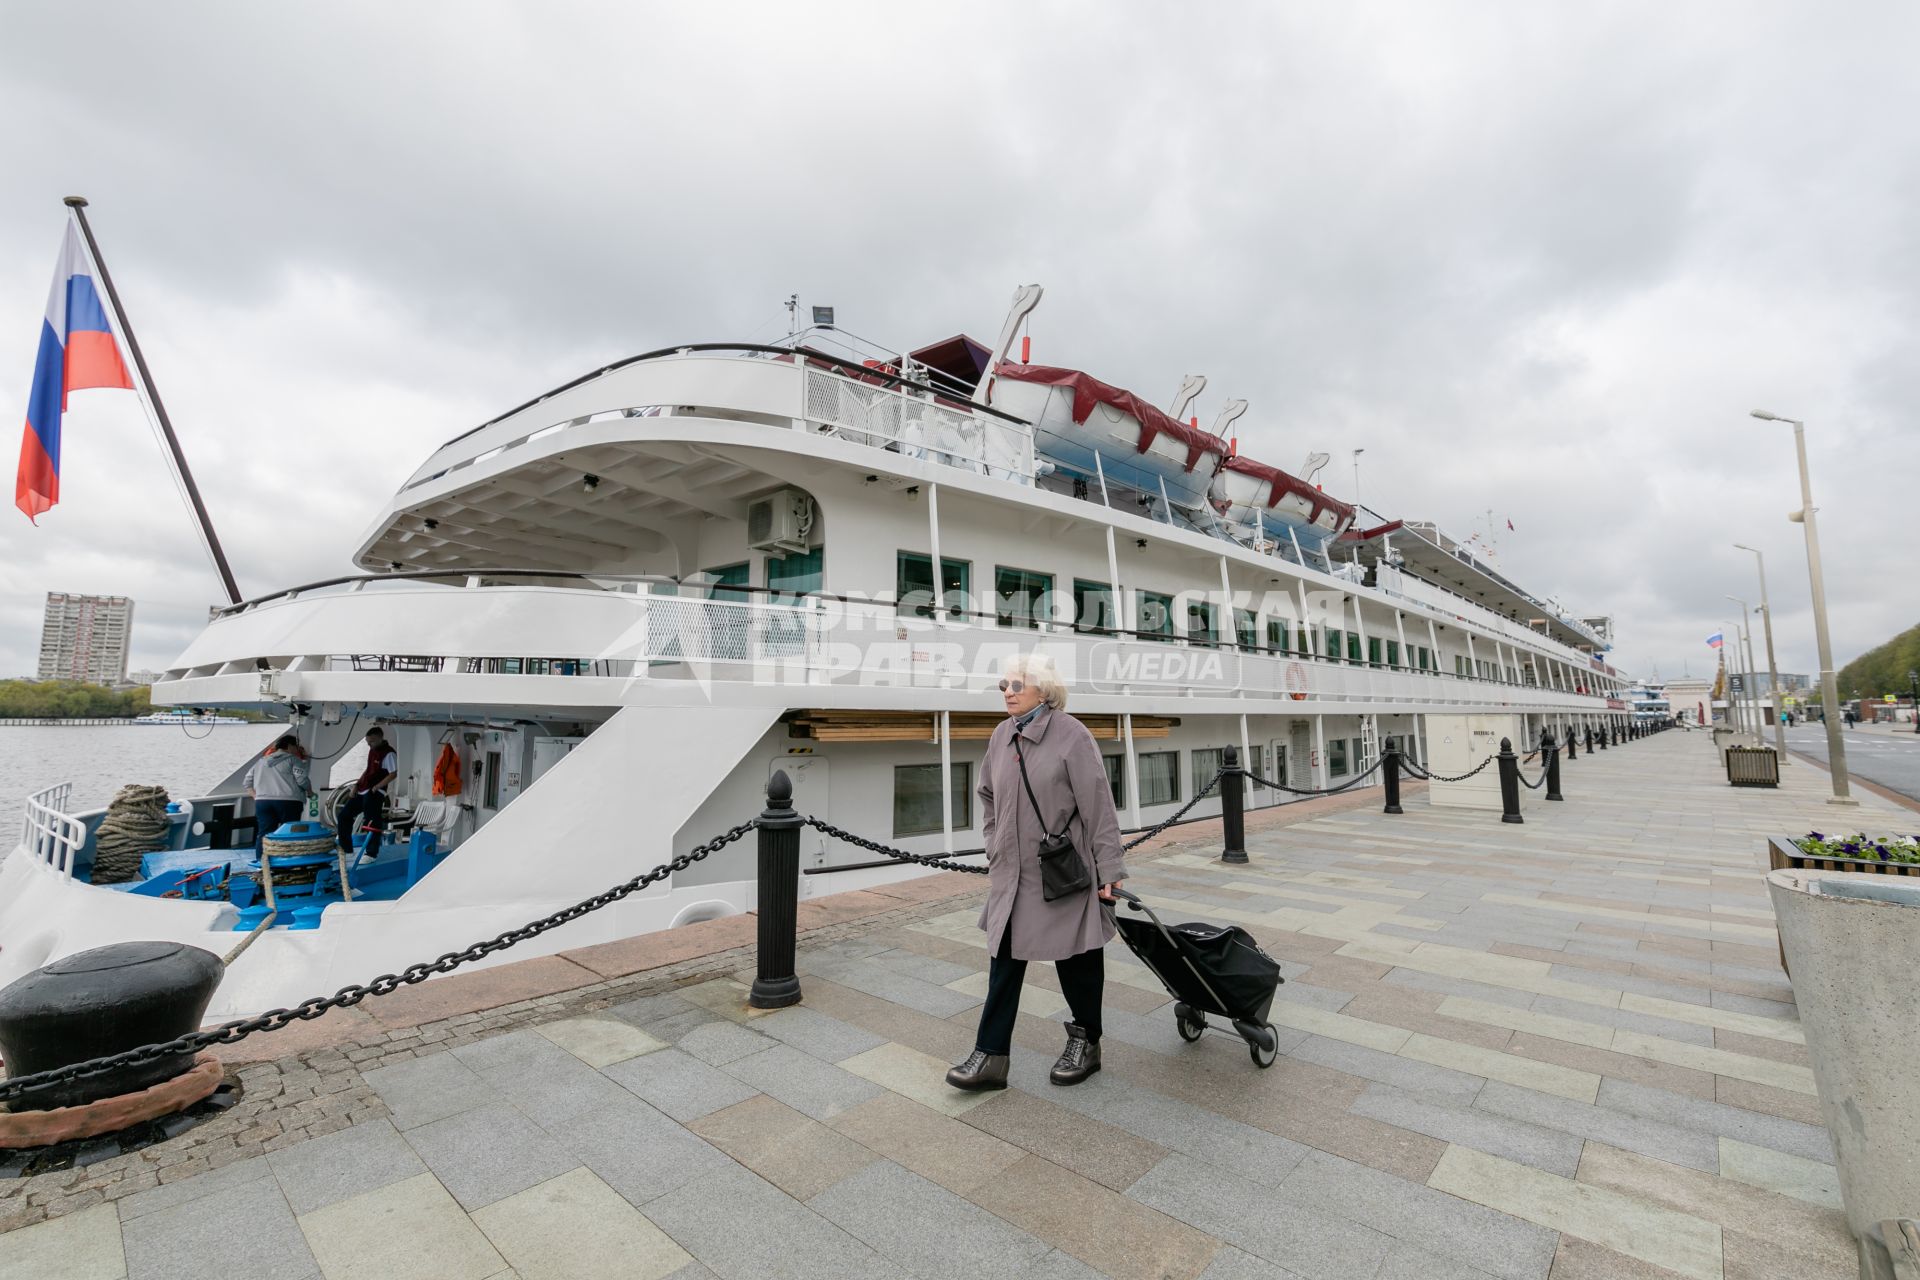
<point x="1853" y="959"/>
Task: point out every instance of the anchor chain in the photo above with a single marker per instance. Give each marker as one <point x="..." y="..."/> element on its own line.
<point x="386" y="984"/>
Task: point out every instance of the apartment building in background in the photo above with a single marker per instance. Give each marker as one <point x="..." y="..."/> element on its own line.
<point x="86" y="638"/>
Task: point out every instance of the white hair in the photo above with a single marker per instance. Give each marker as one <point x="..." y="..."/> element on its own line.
<point x="1037" y="669"/>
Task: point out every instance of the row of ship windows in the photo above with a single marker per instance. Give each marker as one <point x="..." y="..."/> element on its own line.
<point x="916" y="793"/>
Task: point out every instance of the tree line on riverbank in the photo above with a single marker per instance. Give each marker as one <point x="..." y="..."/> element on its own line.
<point x="70" y="700"/>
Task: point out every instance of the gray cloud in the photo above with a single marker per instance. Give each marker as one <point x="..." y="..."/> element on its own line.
<point x="1534" y="260"/>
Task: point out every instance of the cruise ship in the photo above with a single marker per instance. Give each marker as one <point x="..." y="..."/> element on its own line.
<point x="614" y="611"/>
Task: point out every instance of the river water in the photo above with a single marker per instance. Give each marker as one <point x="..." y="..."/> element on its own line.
<point x="100" y="759"/>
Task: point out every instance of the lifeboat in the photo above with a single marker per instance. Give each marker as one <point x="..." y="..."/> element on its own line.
<point x="1075" y="416"/>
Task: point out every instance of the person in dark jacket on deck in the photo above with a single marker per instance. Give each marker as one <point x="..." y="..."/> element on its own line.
<point x="369" y="798"/>
<point x="1070" y="794"/>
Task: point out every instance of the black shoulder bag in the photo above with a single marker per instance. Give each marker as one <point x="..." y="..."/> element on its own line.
<point x="1062" y="869"/>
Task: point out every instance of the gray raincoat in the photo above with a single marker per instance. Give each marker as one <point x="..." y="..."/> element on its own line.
<point x="1068" y="778"/>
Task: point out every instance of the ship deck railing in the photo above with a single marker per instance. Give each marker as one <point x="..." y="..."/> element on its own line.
<point x="545" y="626"/>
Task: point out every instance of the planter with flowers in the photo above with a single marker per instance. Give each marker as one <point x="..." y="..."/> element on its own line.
<point x="1889" y="855"/>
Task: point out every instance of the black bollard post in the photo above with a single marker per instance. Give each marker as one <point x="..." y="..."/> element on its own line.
<point x="1589" y="739"/>
<point x="1509" y="783"/>
<point x="1390" y="771"/>
<point x="97" y="1003"/>
<point x="1551" y="752"/>
<point x="1573" y="748"/>
<point x="1603" y="737"/>
<point x="776" y="985"/>
<point x="1233" y="809"/>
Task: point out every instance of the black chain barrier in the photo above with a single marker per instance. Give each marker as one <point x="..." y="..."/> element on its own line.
<point x="886" y="851"/>
<point x="1532" y="786"/>
<point x="1354" y="781"/>
<point x="1424" y="776"/>
<point x="387" y="983"/>
<point x="901" y="855"/>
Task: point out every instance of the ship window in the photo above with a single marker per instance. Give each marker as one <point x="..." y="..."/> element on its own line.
<point x="1021" y="597"/>
<point x="1373" y="651"/>
<point x="916" y="799"/>
<point x="1353" y="647"/>
<point x="1337" y="757"/>
<point x="1305" y="645"/>
<point x="1333" y="643"/>
<point x="1393" y="653"/>
<point x="1245" y="633"/>
<point x="1206" y="763"/>
<point x="1116" y="778"/>
<point x="1277" y="636"/>
<point x="1200" y="616"/>
<point x="1093" y="607"/>
<point x="1159" y="777"/>
<point x="913" y="584"/>
<point x="1156" y="618"/>
<point x="732" y="575"/>
<point x="796" y="574"/>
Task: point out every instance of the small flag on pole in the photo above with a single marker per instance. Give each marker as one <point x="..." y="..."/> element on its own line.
<point x="1714" y="641"/>
<point x="1510" y="526"/>
<point x="77" y="351"/>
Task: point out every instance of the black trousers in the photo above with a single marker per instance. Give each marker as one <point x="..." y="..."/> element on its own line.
<point x="269" y="815"/>
<point x="372" y="806"/>
<point x="1081" y="980"/>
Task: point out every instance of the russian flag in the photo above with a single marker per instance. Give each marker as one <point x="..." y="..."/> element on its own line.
<point x="1714" y="640"/>
<point x="77" y="351"/>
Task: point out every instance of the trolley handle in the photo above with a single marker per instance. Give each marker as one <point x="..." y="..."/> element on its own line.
<point x="1136" y="904"/>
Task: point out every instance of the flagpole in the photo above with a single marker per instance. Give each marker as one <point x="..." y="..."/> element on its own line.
<point x="79" y="206"/>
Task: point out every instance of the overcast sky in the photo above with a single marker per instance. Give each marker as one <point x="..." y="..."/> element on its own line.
<point x="1538" y="259"/>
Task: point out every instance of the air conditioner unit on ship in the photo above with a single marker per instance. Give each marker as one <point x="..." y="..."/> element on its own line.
<point x="780" y="522"/>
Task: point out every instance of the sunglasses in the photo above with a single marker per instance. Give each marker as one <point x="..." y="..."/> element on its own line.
<point x="1013" y="686"/>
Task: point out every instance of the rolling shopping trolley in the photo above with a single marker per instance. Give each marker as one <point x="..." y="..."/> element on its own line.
<point x="1208" y="969"/>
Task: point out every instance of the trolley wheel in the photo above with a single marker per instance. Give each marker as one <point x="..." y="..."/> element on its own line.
<point x="1263" y="1045"/>
<point x="1191" y="1022"/>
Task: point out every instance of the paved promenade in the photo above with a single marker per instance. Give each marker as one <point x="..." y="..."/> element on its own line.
<point x="1560" y="1049"/>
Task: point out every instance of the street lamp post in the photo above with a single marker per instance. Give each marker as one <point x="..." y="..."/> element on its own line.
<point x="1736" y="713"/>
<point x="1829" y="695"/>
<point x="1773" y="668"/>
<point x="1748" y="685"/>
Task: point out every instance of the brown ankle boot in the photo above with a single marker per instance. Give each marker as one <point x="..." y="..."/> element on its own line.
<point x="1080" y="1059"/>
<point x="981" y="1070"/>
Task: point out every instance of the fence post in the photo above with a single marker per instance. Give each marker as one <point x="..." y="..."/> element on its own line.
<point x="1573" y="747"/>
<point x="1390" y="771"/>
<point x="1233" y="809"/>
<point x="1509" y="783"/>
<point x="1551" y="751"/>
<point x="776" y="985"/>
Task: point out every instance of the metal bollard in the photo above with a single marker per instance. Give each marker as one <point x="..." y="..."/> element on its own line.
<point x="776" y="985"/>
<point x="1390" y="772"/>
<point x="1603" y="737"/>
<point x="1509" y="783"/>
<point x="1550" y="751"/>
<point x="1573" y="748"/>
<point x="1589" y="739"/>
<point x="1233" y="809"/>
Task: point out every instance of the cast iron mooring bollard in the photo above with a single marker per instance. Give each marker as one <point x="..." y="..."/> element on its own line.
<point x="1509" y="783"/>
<point x="777" y="985"/>
<point x="1573" y="747"/>
<point x="1603" y="737"/>
<point x="100" y="1002"/>
<point x="1233" y="808"/>
<point x="1551" y="751"/>
<point x="1589" y="739"/>
<point x="1390" y="770"/>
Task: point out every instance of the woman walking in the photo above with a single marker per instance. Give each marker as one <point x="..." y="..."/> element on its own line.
<point x="1053" y="857"/>
<point x="279" y="782"/>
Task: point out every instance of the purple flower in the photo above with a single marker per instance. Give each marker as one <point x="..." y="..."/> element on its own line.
<point x="1815" y="835"/>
